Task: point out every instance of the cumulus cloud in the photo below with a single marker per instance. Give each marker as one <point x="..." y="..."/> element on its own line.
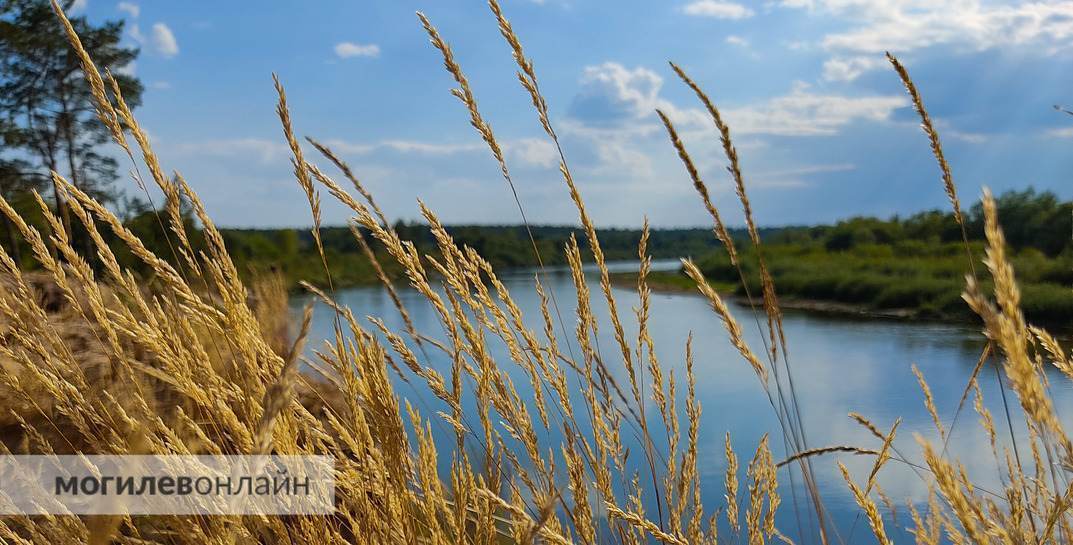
<point x="901" y="25"/>
<point x="718" y="9"/>
<point x="804" y="113"/>
<point x="737" y="40"/>
<point x="849" y="68"/>
<point x="612" y="94"/>
<point x="346" y="50"/>
<point x="534" y="151"/>
<point x="164" y="40"/>
<point x="161" y="39"/>
<point x="904" y="26"/>
<point x="132" y="9"/>
<point x="612" y="120"/>
<point x="615" y="97"/>
<point x="618" y="156"/>
<point x="78" y="6"/>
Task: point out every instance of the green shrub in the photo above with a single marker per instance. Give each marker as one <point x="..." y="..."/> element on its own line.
<point x="1048" y="303"/>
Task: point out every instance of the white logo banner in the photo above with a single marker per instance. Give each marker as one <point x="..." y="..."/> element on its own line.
<point x="166" y="485"/>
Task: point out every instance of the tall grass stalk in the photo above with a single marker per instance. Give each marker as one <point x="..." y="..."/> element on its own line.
<point x="197" y="361"/>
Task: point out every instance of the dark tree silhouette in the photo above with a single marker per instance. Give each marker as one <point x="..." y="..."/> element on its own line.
<point x="45" y="101"/>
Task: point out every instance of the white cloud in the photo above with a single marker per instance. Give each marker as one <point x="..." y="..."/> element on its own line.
<point x="619" y="98"/>
<point x="946" y="130"/>
<point x="78" y="6"/>
<point x="345" y="50"/>
<point x="737" y="40"/>
<point x="638" y="87"/>
<point x="616" y="100"/>
<point x="131" y="69"/>
<point x="534" y="151"/>
<point x="617" y="156"/>
<point x="404" y="146"/>
<point x="265" y="150"/>
<point x="804" y="113"/>
<point x="969" y="137"/>
<point x="134" y="10"/>
<point x="795" y="176"/>
<point x="430" y="148"/>
<point x="909" y="25"/>
<point x="718" y="9"/>
<point x="617" y="152"/>
<point x="613" y="120"/>
<point x="611" y="93"/>
<point x="349" y="148"/>
<point x="1064" y="132"/>
<point x="164" y="40"/>
<point x="531" y="151"/>
<point x="849" y="68"/>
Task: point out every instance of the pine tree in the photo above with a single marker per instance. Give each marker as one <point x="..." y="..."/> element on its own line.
<point x="46" y="103"/>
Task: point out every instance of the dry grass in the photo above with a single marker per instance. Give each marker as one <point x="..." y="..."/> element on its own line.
<point x="202" y="363"/>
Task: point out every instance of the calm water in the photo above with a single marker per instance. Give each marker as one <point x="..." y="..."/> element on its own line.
<point x="839" y="365"/>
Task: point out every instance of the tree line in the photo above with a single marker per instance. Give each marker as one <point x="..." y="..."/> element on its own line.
<point x="48" y="124"/>
<point x="916" y="264"/>
<point x="1033" y="221"/>
<point x="47" y="119"/>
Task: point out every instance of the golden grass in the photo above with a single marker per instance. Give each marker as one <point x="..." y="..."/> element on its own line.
<point x="198" y="362"/>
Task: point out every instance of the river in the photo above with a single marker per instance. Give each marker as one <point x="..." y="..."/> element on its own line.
<point x="839" y="365"/>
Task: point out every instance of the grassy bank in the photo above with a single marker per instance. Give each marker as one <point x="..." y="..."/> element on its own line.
<point x="912" y="267"/>
<point x="293" y="252"/>
<point x="890" y="280"/>
<point x="192" y="364"/>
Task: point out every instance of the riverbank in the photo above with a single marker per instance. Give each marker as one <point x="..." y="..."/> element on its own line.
<point x="676" y="282"/>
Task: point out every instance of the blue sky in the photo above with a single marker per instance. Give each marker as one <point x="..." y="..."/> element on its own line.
<point x="821" y="122"/>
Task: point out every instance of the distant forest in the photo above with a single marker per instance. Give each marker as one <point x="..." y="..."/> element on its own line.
<point x="914" y="267"/>
<point x="1034" y="222"/>
<point x="1031" y="220"/>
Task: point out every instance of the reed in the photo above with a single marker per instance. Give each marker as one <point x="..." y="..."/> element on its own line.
<point x="196" y="361"/>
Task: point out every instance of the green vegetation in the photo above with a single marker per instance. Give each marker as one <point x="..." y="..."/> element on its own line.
<point x="48" y="122"/>
<point x="202" y="362"/>
<point x="916" y="263"/>
<point x="293" y="251"/>
<point x="912" y="266"/>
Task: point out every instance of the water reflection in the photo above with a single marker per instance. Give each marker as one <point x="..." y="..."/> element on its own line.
<point x="839" y="365"/>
